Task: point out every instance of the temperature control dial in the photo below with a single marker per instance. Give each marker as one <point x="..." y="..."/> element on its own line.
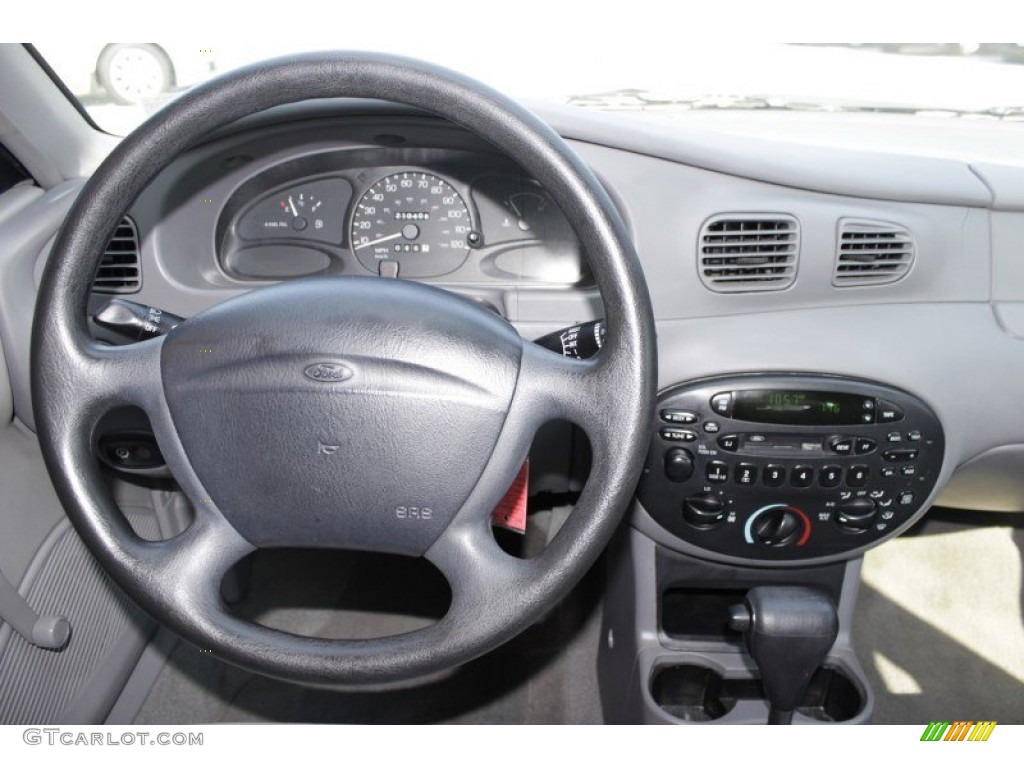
<point x="778" y="525"/>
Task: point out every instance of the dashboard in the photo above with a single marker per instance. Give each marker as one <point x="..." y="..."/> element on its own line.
<point x="861" y="265"/>
<point x="839" y="328"/>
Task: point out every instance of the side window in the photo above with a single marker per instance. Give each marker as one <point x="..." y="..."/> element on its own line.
<point x="11" y="171"/>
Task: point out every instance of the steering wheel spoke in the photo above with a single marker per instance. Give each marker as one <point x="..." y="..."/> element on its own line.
<point x="560" y="387"/>
<point x="96" y="378"/>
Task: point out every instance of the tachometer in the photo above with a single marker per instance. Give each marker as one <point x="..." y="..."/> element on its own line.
<point x="408" y="216"/>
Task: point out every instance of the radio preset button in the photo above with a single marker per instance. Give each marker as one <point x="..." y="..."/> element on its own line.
<point x="774" y="475"/>
<point x="746" y="474"/>
<point x="729" y="442"/>
<point x="802" y="476"/>
<point x="677" y="416"/>
<point x="722" y="403"/>
<point x="841" y="445"/>
<point x="716" y="472"/>
<point x="678" y="435"/>
<point x="857" y="476"/>
<point x="830" y="476"/>
<point x="864" y="445"/>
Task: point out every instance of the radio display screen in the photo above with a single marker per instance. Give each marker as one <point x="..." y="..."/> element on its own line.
<point x="804" y="408"/>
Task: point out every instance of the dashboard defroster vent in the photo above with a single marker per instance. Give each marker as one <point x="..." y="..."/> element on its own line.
<point x="120" y="272"/>
<point x="872" y="253"/>
<point x="748" y="252"/>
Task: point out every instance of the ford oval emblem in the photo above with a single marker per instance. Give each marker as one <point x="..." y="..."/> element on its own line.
<point x="329" y="373"/>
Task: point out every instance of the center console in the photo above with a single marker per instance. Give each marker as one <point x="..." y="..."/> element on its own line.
<point x="788" y="468"/>
<point x="752" y="481"/>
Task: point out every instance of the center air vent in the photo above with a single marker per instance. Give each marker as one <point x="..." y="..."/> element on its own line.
<point x="872" y="253"/>
<point x="748" y="252"/>
<point x="119" y="271"/>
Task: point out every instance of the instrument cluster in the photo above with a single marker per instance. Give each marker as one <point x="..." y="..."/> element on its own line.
<point x="461" y="216"/>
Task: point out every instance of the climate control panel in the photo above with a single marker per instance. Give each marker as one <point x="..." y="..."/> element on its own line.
<point x="789" y="467"/>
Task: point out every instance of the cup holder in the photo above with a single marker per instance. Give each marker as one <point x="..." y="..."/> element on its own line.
<point x="694" y="693"/>
<point x="831" y="697"/>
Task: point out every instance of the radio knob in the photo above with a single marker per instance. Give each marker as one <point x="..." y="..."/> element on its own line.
<point x="856" y="515"/>
<point x="678" y="465"/>
<point x="703" y="510"/>
<point x="777" y="527"/>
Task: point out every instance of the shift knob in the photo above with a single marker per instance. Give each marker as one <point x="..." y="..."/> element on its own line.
<point x="788" y="631"/>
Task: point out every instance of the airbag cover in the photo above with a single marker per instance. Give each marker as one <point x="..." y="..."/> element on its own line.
<point x="341" y="411"/>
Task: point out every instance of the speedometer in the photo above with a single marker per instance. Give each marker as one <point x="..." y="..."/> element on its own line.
<point x="411" y="216"/>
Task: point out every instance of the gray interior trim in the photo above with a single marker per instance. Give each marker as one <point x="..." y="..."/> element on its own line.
<point x="29" y="508"/>
<point x="6" y="396"/>
<point x="993" y="476"/>
<point x="1006" y="182"/>
<point x="16" y="199"/>
<point x="152" y="661"/>
<point x="1007" y="256"/>
<point x="1010" y="317"/>
<point x="23" y="237"/>
<point x="834" y="170"/>
<point x="79" y="683"/>
<point x="41" y="127"/>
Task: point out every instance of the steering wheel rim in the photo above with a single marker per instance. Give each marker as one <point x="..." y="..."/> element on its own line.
<point x="75" y="380"/>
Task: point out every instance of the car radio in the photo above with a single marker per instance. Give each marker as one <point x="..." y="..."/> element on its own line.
<point x="788" y="467"/>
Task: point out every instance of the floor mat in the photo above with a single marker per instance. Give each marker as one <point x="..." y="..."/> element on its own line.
<point x="547" y="675"/>
<point x="938" y="625"/>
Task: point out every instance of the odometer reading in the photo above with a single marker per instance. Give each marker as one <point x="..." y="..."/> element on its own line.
<point x="411" y="216"/>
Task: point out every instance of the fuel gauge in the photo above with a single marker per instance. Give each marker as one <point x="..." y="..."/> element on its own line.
<point x="299" y="210"/>
<point x="311" y="211"/>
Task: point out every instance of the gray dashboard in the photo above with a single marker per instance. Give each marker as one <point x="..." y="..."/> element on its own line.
<point x="948" y="330"/>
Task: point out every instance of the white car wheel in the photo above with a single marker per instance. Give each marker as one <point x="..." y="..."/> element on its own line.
<point x="134" y="72"/>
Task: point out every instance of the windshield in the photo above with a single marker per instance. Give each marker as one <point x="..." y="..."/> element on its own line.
<point x="120" y="84"/>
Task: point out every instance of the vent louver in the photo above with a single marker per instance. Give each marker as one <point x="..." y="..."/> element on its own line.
<point x="119" y="272"/>
<point x="872" y="253"/>
<point x="748" y="252"/>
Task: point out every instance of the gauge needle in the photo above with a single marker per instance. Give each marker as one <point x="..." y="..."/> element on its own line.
<point x="292" y="204"/>
<point x="379" y="240"/>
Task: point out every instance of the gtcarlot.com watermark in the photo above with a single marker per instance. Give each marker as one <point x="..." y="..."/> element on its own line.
<point x="70" y="737"/>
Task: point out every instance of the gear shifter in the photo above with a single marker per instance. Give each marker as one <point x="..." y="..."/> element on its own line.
<point x="788" y="631"/>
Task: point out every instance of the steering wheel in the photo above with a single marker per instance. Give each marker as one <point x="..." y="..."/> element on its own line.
<point x="343" y="412"/>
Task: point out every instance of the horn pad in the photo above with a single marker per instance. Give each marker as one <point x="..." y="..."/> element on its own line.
<point x="345" y="412"/>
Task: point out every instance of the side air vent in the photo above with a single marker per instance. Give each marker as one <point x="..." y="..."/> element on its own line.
<point x="119" y="271"/>
<point x="748" y="252"/>
<point x="872" y="253"/>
